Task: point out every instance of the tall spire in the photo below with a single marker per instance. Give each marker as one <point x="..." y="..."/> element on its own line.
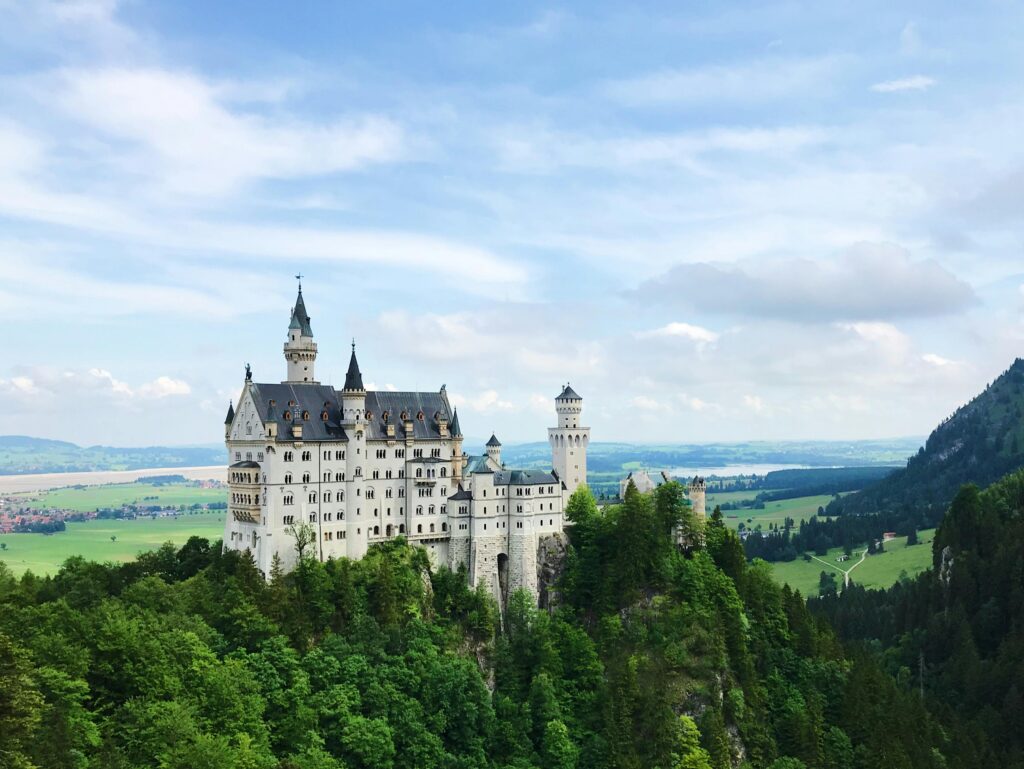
<point x="231" y="413"/>
<point x="353" y="379"/>
<point x="300" y="318"/>
<point x="454" y="430"/>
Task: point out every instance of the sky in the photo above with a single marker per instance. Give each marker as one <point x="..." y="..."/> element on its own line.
<point x="718" y="221"/>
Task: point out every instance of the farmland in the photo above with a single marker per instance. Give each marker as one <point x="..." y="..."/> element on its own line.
<point x="88" y="498"/>
<point x="44" y="553"/>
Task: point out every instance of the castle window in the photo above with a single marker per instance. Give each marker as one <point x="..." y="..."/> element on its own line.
<point x="307" y="456"/>
<point x="287" y="477"/>
<point x="376" y="531"/>
<point x="359" y="472"/>
<point x="388" y="493"/>
<point x="444" y="472"/>
<point x="376" y="474"/>
<point x="289" y="499"/>
<point x="419" y="472"/>
<point x="417" y="453"/>
<point x="369" y="493"/>
<point x="431" y="509"/>
<point x="238" y="456"/>
<point x="259" y="456"/>
<point x="312" y="517"/>
<point x="419" y="509"/>
<point x="401" y="528"/>
<point x="288" y="456"/>
<point x="419" y="528"/>
<point x="341" y="496"/>
<point x="431" y="528"/>
<point x="323" y="416"/>
<point x="401" y="492"/>
<point x="305" y="416"/>
<point x="327" y="476"/>
<point x="444" y="526"/>
<point x="382" y="453"/>
<point x="288" y="520"/>
<point x="287" y="416"/>
<point x="305" y="477"/>
<point x="339" y="476"/>
<point x="312" y="497"/>
<point x="341" y="534"/>
<point x="341" y="515"/>
<point x="387" y="474"/>
<point x="399" y="453"/>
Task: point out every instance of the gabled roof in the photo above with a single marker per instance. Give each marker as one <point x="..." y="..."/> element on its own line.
<point x="568" y="394"/>
<point x="353" y="379"/>
<point x="478" y="464"/>
<point x="231" y="414"/>
<point x="300" y="318"/>
<point x="493" y="442"/>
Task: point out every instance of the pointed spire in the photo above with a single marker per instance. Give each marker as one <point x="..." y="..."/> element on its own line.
<point x="231" y="413"/>
<point x="494" y="442"/>
<point x="353" y="379"/>
<point x="454" y="428"/>
<point x="300" y="318"/>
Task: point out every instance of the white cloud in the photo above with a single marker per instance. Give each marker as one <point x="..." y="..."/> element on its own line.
<point x="163" y="387"/>
<point x="195" y="144"/>
<point x="648" y="404"/>
<point x="871" y="281"/>
<point x="748" y="81"/>
<point x="937" y="360"/>
<point x="914" y="83"/>
<point x="485" y="402"/>
<point x="680" y="330"/>
<point x="754" y="403"/>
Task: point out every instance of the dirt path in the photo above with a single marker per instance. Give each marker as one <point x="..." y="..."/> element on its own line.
<point x="844" y="572"/>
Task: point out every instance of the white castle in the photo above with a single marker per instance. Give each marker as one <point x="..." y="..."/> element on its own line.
<point x="358" y="467"/>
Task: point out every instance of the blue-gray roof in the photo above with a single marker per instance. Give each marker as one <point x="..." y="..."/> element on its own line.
<point x="353" y="379"/>
<point x="231" y="414"/>
<point x="300" y="318"/>
<point x="493" y="441"/>
<point x="297" y="399"/>
<point x="568" y="394"/>
<point x="523" y="478"/>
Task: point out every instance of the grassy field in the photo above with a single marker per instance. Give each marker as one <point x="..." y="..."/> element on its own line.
<point x="880" y="570"/>
<point x="88" y="498"/>
<point x="44" y="553"/>
<point x="798" y="508"/>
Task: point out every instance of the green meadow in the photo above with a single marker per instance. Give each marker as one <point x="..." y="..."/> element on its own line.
<point x="88" y="498"/>
<point x="881" y="570"/>
<point x="798" y="508"/>
<point x="44" y="553"/>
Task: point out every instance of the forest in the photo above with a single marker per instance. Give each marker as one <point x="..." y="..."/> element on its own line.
<point x="653" y="657"/>
<point x="956" y="632"/>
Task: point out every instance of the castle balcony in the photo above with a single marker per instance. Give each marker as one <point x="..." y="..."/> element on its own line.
<point x="246" y="513"/>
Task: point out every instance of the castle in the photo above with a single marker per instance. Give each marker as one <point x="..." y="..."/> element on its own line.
<point x="355" y="467"/>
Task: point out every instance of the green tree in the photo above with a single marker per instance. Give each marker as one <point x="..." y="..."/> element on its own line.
<point x="558" y="750"/>
<point x="688" y="753"/>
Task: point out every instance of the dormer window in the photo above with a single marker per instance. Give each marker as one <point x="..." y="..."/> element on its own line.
<point x="323" y="415"/>
<point x="419" y="416"/>
<point x="385" y="416"/>
<point x="305" y="415"/>
<point x="287" y="416"/>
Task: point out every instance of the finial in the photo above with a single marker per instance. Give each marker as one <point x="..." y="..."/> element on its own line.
<point x="299" y="278"/>
<point x="353" y="344"/>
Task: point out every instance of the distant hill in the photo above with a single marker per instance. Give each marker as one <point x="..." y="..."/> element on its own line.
<point x="981" y="442"/>
<point x="22" y="454"/>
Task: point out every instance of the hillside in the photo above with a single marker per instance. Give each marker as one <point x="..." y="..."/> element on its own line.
<point x="981" y="442"/>
<point x="651" y="658"/>
<point x="956" y="632"/>
<point x="21" y="454"/>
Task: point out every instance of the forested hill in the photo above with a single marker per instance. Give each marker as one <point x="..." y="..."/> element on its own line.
<point x="981" y="442"/>
<point x="21" y="454"/>
<point x="652" y="659"/>
<point x="956" y="632"/>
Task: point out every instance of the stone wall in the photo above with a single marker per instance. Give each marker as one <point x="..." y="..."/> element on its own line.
<point x="523" y="562"/>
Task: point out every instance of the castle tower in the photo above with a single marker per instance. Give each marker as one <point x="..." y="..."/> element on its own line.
<point x="696" y="493"/>
<point x="300" y="349"/>
<point x="493" y="447"/>
<point x="455" y="430"/>
<point x="569" y="441"/>
<point x="353" y="419"/>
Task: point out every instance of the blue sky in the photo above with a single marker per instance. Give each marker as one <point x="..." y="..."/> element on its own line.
<point x="718" y="221"/>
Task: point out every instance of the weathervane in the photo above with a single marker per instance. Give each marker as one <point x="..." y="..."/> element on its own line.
<point x="299" y="278"/>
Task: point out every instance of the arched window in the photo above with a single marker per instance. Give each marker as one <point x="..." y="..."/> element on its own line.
<point x="305" y="477"/>
<point x="401" y="528"/>
<point x="289" y="499"/>
<point x="444" y="526"/>
<point x="419" y="472"/>
<point x="287" y="477"/>
<point x="419" y="528"/>
<point x="376" y="531"/>
<point x="444" y="472"/>
<point x="430" y="510"/>
<point x="431" y="528"/>
<point x="419" y="509"/>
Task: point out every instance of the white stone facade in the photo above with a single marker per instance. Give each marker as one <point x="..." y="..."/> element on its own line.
<point x="354" y="467"/>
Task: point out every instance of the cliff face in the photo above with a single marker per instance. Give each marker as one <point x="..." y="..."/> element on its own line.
<point x="551" y="549"/>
